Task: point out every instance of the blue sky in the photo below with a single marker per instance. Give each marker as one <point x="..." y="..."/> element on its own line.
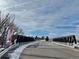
<point x="44" y="17"/>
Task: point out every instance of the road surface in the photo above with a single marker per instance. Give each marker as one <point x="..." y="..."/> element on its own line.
<point x="48" y="50"/>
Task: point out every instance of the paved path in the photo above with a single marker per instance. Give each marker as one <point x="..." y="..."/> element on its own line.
<point x="48" y="50"/>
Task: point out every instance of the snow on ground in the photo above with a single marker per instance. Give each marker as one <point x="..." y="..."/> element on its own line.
<point x="16" y="54"/>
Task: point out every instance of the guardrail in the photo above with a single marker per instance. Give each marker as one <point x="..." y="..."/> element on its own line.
<point x="4" y="51"/>
<point x="1" y="49"/>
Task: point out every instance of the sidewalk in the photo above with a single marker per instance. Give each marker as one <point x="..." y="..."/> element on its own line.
<point x="74" y="46"/>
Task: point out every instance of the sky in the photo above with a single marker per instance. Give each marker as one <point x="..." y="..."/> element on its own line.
<point x="44" y="17"/>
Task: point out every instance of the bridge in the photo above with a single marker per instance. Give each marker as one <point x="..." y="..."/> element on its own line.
<point x="49" y="50"/>
<point x="40" y="50"/>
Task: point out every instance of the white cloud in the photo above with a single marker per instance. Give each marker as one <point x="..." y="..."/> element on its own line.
<point x="30" y="13"/>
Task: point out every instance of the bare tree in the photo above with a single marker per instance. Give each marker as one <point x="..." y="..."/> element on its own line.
<point x="19" y="31"/>
<point x="6" y="25"/>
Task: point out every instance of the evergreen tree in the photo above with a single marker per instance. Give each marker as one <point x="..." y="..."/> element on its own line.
<point x="36" y="38"/>
<point x="42" y="38"/>
<point x="47" y="38"/>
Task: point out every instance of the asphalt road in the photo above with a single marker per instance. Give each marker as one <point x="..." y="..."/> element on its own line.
<point x="48" y="50"/>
